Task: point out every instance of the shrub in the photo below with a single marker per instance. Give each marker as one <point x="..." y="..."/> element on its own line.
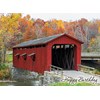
<point x="97" y="71"/>
<point x="3" y="66"/>
<point x="4" y="71"/>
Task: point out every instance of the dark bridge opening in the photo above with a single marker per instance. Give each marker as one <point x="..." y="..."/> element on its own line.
<point x="63" y="56"/>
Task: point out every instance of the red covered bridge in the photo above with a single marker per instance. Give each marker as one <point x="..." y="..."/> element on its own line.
<point x="38" y="55"/>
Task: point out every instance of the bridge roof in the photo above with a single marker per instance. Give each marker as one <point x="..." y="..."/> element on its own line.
<point x="44" y="40"/>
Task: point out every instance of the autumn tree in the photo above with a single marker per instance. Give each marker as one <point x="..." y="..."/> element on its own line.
<point x="15" y="28"/>
<point x="8" y="27"/>
<point x="38" y="27"/>
<point x="47" y="29"/>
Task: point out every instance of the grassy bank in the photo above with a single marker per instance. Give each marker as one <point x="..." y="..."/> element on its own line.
<point x="90" y="70"/>
<point x="9" y="58"/>
<point x="97" y="71"/>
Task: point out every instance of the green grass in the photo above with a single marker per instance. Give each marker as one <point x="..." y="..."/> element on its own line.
<point x="84" y="84"/>
<point x="60" y="84"/>
<point x="76" y="84"/>
<point x="3" y="84"/>
<point x="9" y="58"/>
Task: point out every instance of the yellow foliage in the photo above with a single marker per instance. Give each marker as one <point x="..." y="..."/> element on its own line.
<point x="9" y="23"/>
<point x="46" y="24"/>
<point x="60" y="24"/>
<point x="99" y="29"/>
<point x="8" y="27"/>
<point x="92" y="41"/>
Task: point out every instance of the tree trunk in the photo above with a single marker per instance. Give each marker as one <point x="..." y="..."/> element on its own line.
<point x="0" y="56"/>
<point x="4" y="54"/>
<point x="4" y="49"/>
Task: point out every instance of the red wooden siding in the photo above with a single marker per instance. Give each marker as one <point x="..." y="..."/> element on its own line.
<point x="40" y="59"/>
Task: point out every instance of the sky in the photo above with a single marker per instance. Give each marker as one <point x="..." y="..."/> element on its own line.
<point x="64" y="16"/>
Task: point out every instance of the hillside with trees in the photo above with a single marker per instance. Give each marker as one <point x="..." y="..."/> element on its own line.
<point x="15" y="28"/>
